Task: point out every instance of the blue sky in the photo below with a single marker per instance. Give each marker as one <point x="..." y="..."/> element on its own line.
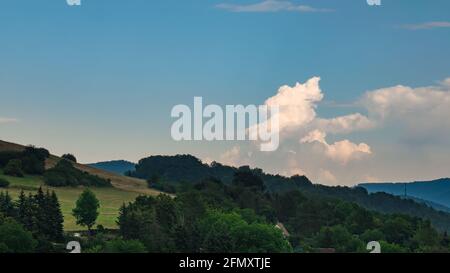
<point x="99" y="80"/>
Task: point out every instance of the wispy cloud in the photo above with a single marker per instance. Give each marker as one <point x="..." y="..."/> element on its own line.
<point x="427" y="25"/>
<point x="270" y="6"/>
<point x="8" y="120"/>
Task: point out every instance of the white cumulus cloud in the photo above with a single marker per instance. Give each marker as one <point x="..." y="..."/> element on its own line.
<point x="345" y="124"/>
<point x="423" y="108"/>
<point x="340" y="151"/>
<point x="297" y="104"/>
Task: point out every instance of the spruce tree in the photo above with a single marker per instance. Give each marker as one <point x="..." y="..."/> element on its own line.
<point x="41" y="214"/>
<point x="56" y="218"/>
<point x="25" y="211"/>
<point x="7" y="205"/>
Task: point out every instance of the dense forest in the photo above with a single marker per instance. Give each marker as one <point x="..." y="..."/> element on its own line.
<point x="173" y="173"/>
<point x="211" y="216"/>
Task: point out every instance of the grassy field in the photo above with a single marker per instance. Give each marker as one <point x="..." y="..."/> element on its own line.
<point x="124" y="190"/>
<point x="110" y="199"/>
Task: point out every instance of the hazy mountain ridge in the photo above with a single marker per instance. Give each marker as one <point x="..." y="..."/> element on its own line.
<point x="115" y="166"/>
<point x="436" y="191"/>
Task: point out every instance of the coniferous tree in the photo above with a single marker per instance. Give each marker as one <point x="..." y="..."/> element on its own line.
<point x="7" y="205"/>
<point x="43" y="226"/>
<point x="25" y="211"/>
<point x="56" y="218"/>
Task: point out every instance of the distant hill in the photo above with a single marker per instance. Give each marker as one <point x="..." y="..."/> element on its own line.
<point x="115" y="166"/>
<point x="436" y="191"/>
<point x="434" y="205"/>
<point x="189" y="169"/>
<point x="182" y="169"/>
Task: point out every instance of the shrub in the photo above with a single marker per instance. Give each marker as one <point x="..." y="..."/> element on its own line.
<point x="4" y="183"/>
<point x="64" y="174"/>
<point x="32" y="160"/>
<point x="14" y="168"/>
<point x="69" y="157"/>
<point x="14" y="238"/>
<point x="124" y="246"/>
<point x="6" y="156"/>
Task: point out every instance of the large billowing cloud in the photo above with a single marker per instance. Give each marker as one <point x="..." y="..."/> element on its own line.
<point x="298" y="119"/>
<point x="403" y="136"/>
<point x="297" y="111"/>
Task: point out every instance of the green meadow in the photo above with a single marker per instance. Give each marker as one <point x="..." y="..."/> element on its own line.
<point x="111" y="199"/>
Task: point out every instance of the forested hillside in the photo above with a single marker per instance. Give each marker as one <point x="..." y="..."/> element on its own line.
<point x="169" y="173"/>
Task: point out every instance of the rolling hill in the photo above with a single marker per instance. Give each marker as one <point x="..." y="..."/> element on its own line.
<point x="115" y="166"/>
<point x="125" y="189"/>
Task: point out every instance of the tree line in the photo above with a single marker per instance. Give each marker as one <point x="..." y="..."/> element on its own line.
<point x="36" y="219"/>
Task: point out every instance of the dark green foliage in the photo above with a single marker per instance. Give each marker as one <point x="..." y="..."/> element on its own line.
<point x="161" y="185"/>
<point x="339" y="238"/>
<point x="189" y="169"/>
<point x="6" y="205"/>
<point x="186" y="224"/>
<point x="248" y="180"/>
<point x="32" y="161"/>
<point x="240" y="217"/>
<point x="4" y="183"/>
<point x="41" y="214"/>
<point x="140" y="221"/>
<point x="124" y="246"/>
<point x="186" y="169"/>
<point x="86" y="209"/>
<point x="14" y="238"/>
<point x="26" y="210"/>
<point x="55" y="217"/>
<point x="14" y="168"/>
<point x="64" y="174"/>
<point x="230" y="233"/>
<point x="69" y="157"/>
<point x="6" y="156"/>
